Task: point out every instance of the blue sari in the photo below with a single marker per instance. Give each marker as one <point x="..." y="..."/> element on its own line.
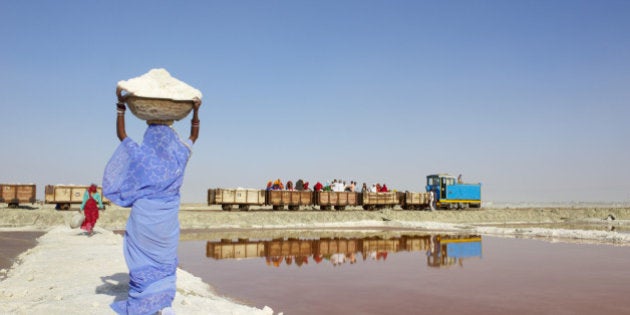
<point x="148" y="177"/>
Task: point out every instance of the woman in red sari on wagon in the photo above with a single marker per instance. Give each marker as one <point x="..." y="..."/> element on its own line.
<point x="91" y="203"/>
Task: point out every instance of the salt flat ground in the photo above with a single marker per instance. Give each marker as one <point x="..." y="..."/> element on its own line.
<point x="68" y="273"/>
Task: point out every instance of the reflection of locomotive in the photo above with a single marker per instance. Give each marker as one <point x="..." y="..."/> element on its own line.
<point x="449" y="250"/>
<point x="441" y="250"/>
<point x="447" y="193"/>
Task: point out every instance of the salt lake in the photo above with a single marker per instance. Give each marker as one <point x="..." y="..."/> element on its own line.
<point x="405" y="272"/>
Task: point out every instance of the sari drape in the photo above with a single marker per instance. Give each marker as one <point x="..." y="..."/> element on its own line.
<point x="148" y="177"/>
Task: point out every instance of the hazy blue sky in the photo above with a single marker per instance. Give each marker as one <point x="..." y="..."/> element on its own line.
<point x="531" y="98"/>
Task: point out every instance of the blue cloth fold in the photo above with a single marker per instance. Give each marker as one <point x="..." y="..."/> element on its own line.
<point x="148" y="177"/>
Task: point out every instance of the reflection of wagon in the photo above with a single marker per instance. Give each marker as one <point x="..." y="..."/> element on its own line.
<point x="14" y="194"/>
<point x="65" y="195"/>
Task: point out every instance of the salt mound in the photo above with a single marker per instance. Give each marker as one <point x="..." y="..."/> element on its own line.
<point x="158" y="83"/>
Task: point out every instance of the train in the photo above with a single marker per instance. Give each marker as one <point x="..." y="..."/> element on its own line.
<point x="443" y="191"/>
<point x="62" y="196"/>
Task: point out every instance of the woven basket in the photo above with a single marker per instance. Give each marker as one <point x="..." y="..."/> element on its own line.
<point x="158" y="110"/>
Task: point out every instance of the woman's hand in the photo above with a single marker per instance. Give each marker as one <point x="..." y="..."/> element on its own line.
<point x="194" y="123"/>
<point x="196" y="103"/>
<point x="120" y="120"/>
<point x="121" y="98"/>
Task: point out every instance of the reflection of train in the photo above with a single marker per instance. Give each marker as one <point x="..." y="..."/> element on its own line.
<point x="440" y="249"/>
<point x="446" y="191"/>
<point x="449" y="250"/>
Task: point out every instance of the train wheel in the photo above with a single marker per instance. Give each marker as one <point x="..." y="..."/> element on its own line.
<point x="340" y="208"/>
<point x="243" y="207"/>
<point x="278" y="207"/>
<point x="294" y="208"/>
<point x="226" y="207"/>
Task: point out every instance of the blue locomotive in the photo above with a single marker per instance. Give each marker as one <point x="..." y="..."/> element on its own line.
<point x="451" y="193"/>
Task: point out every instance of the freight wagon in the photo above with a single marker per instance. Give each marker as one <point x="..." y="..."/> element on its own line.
<point x="15" y="194"/>
<point x="242" y="199"/>
<point x="65" y="195"/>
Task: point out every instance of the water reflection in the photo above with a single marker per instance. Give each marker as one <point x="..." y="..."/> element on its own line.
<point x="440" y="250"/>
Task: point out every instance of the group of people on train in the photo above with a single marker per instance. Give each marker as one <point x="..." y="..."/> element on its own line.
<point x="336" y="185"/>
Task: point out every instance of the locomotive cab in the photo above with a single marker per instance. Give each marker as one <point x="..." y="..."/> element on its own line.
<point x="438" y="185"/>
<point x="449" y="193"/>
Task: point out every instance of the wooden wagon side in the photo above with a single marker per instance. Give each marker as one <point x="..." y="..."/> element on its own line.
<point x="63" y="196"/>
<point x="379" y="200"/>
<point x="339" y="200"/>
<point x="241" y="198"/>
<point x="293" y="199"/>
<point x="14" y="194"/>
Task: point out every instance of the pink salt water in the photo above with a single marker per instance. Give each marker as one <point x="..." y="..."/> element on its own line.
<point x="495" y="276"/>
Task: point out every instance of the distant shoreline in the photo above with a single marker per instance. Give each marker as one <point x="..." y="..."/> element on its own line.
<point x="504" y="221"/>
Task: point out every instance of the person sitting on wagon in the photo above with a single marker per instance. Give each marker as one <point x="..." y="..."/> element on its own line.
<point x="378" y="187"/>
<point x="269" y="185"/>
<point x="277" y="185"/>
<point x="299" y="185"/>
<point x="327" y="187"/>
<point x="290" y="186"/>
<point x="306" y="186"/>
<point x="318" y="186"/>
<point x="384" y="188"/>
<point x="373" y="188"/>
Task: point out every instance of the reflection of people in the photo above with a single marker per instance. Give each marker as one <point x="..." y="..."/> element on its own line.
<point x="90" y="205"/>
<point x="147" y="178"/>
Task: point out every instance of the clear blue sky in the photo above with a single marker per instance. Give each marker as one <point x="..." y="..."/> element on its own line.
<point x="531" y="98"/>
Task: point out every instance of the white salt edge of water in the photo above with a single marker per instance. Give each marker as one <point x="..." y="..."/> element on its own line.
<point x="159" y="83"/>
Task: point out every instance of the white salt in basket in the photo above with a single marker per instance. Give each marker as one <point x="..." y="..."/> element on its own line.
<point x="158" y="110"/>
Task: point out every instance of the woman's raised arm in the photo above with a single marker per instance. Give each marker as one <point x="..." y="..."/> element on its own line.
<point x="120" y="120"/>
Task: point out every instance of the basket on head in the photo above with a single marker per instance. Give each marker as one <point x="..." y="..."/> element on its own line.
<point x="157" y="97"/>
<point x="158" y="109"/>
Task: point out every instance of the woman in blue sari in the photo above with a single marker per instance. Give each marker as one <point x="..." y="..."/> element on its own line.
<point x="147" y="178"/>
